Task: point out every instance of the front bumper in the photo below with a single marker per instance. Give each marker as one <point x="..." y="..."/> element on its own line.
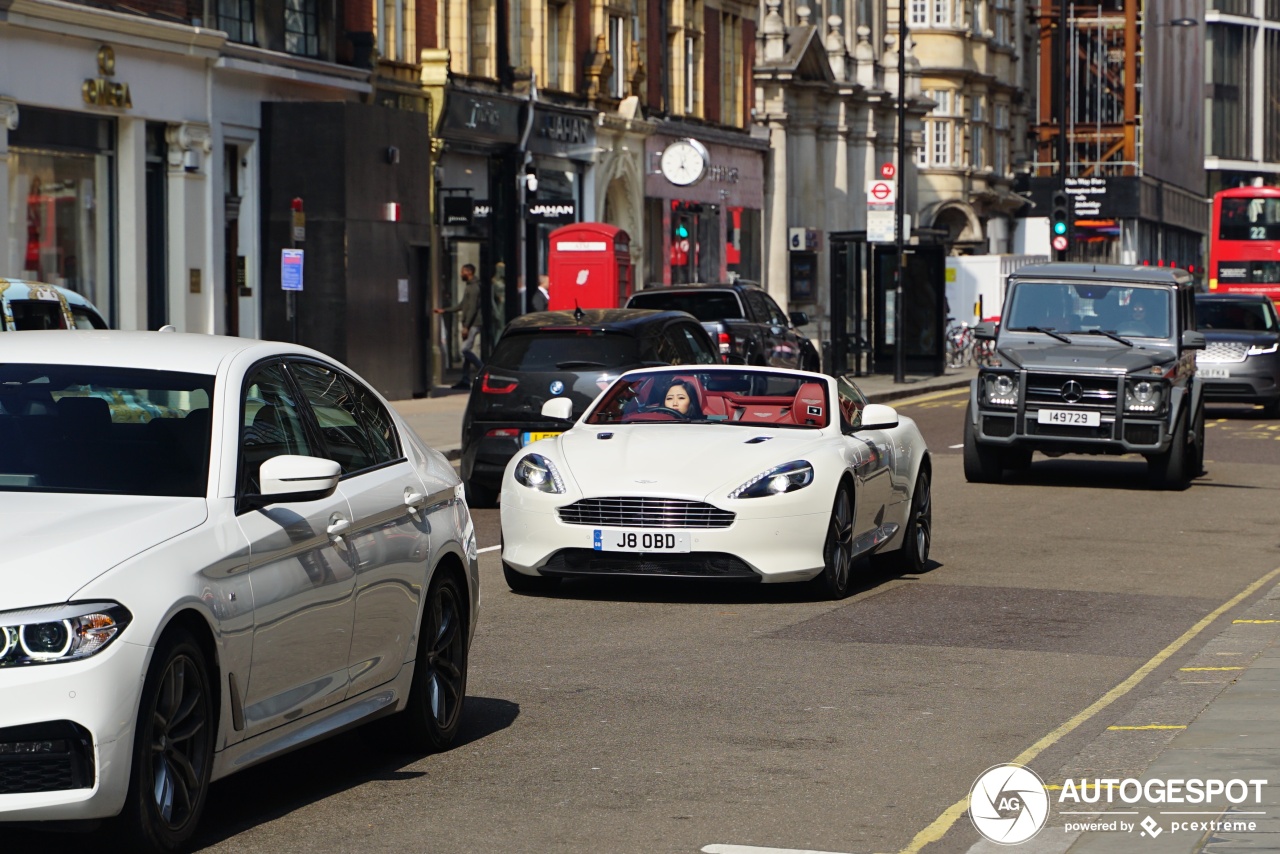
<point x="91" y="706"/>
<point x="1255" y="380"/>
<point x="757" y="545"/>
<point x="1112" y="436"/>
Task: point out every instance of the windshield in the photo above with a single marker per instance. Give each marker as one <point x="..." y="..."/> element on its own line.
<point x="1235" y="315"/>
<point x="84" y="428"/>
<point x="704" y="305"/>
<point x="567" y="349"/>
<point x="1249" y="219"/>
<point x="1141" y="312"/>
<point x="682" y="395"/>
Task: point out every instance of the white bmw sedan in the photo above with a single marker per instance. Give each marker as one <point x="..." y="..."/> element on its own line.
<point x="216" y="550"/>
<point x="722" y="472"/>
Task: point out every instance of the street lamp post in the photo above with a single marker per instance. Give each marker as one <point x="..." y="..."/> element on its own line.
<point x="899" y="354"/>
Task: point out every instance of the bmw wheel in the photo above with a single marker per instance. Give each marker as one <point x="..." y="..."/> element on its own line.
<point x="172" y="748"/>
<point x="837" y="551"/>
<point x="439" y="689"/>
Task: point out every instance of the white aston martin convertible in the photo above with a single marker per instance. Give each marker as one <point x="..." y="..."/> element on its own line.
<point x="723" y="472"/>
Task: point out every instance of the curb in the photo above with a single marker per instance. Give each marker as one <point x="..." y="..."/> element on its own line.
<point x="900" y="393"/>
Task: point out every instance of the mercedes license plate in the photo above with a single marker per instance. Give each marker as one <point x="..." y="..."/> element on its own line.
<point x="1069" y="417"/>
<point x="1212" y="373"/>
<point x="623" y="540"/>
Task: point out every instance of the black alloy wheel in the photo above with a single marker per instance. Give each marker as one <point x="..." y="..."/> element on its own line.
<point x="439" y="690"/>
<point x="173" y="748"/>
<point x="837" y="550"/>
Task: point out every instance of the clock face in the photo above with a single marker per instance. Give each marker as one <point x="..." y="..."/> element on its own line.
<point x="684" y="162"/>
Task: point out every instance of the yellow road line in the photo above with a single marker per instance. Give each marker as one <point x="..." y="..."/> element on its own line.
<point x="925" y="398"/>
<point x="1150" y="726"/>
<point x="943" y="823"/>
<point x="1197" y="669"/>
<point x="1256" y="621"/>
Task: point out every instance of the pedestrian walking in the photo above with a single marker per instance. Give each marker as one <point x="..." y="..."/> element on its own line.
<point x="468" y="310"/>
<point x="542" y="296"/>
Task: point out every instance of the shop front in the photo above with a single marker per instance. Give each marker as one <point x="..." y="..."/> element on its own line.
<point x="561" y="150"/>
<point x="704" y="195"/>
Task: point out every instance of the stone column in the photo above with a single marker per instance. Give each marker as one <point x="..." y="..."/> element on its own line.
<point x="776" y="212"/>
<point x="8" y="122"/>
<point x="189" y="207"/>
<point x="131" y="260"/>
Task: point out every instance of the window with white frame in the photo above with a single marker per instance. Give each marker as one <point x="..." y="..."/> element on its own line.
<point x="690" y="75"/>
<point x="1001" y="162"/>
<point x="393" y="21"/>
<point x="941" y="131"/>
<point x="978" y="133"/>
<point x="516" y="34"/>
<point x="557" y="41"/>
<point x="731" y="69"/>
<point x="618" y="56"/>
<point x="1000" y="23"/>
<point x="302" y="27"/>
<point x="481" y="59"/>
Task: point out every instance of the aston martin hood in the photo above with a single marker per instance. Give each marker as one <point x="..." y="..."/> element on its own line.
<point x="677" y="460"/>
<point x="55" y="543"/>
<point x="1111" y="356"/>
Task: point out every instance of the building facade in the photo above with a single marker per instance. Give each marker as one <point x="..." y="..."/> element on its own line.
<point x="1242" y="90"/>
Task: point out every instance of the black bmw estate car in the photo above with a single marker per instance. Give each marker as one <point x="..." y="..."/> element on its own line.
<point x="573" y="354"/>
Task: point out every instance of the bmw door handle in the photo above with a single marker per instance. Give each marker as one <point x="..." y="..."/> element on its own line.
<point x="414" y="500"/>
<point x="337" y="527"/>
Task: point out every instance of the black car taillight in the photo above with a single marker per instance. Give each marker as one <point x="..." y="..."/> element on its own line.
<point x="490" y="384"/>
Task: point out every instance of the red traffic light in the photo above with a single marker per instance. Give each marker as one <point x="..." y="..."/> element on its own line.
<point x="296" y="204"/>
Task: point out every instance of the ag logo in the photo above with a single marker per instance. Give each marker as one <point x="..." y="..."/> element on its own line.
<point x="557" y="387"/>
<point x="1008" y="804"/>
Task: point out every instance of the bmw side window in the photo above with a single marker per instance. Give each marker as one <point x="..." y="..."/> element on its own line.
<point x="376" y="421"/>
<point x="272" y="424"/>
<point x="337" y="414"/>
<point x="701" y="355"/>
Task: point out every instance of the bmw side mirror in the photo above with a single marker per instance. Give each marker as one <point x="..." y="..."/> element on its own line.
<point x="799" y="318"/>
<point x="877" y="416"/>
<point x="1192" y="339"/>
<point x="289" y="478"/>
<point x="559" y="408"/>
<point x="985" y="331"/>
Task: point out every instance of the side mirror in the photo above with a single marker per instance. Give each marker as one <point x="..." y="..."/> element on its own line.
<point x="1193" y="339"/>
<point x="877" y="416"/>
<point x="559" y="408"/>
<point x="291" y="477"/>
<point x="985" y="331"/>
<point x="799" y="318"/>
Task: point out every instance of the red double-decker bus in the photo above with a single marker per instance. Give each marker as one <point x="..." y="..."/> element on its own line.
<point x="1244" y="244"/>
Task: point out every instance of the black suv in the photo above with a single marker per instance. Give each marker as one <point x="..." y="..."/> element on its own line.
<point x="742" y="319"/>
<point x="1091" y="359"/>
<point x="570" y="354"/>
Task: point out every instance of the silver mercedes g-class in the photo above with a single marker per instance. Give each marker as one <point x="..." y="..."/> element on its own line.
<point x="1090" y="359"/>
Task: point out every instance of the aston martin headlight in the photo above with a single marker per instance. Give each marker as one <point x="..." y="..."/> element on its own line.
<point x="1143" y="395"/>
<point x="787" y="477"/>
<point x="537" y="472"/>
<point x="1000" y="389"/>
<point x="1263" y="349"/>
<point x="59" y="633"/>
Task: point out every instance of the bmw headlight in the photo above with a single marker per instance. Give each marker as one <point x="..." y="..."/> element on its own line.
<point x="787" y="477"/>
<point x="1263" y="349"/>
<point x="1000" y="389"/>
<point x="1143" y="395"/>
<point x="537" y="472"/>
<point x="59" y="633"/>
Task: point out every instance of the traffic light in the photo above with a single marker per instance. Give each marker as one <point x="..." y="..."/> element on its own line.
<point x="1060" y="226"/>
<point x="679" y="235"/>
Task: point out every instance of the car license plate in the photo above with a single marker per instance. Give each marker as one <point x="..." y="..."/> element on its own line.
<point x="1213" y="373"/>
<point x="622" y="540"/>
<point x="1069" y="417"/>
<point x="527" y="438"/>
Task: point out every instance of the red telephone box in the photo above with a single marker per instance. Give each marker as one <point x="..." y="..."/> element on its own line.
<point x="589" y="265"/>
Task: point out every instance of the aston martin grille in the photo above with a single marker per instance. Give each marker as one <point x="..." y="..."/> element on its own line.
<point x="627" y="512"/>
<point x="1223" y="351"/>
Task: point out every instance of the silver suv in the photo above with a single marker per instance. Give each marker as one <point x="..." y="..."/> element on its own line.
<point x="1090" y="359"/>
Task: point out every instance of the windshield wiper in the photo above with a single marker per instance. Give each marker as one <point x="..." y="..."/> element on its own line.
<point x="1114" y="337"/>
<point x="1050" y="332"/>
<point x="579" y="363"/>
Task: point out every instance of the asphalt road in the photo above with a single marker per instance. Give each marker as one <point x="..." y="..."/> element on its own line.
<point x="665" y="717"/>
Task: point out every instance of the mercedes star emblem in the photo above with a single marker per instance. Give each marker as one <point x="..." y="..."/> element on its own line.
<point x="1072" y="391"/>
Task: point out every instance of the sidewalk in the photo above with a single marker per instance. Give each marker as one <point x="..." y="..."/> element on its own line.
<point x="438" y="419"/>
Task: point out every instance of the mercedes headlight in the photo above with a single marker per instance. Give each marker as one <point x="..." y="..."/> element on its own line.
<point x="537" y="472"/>
<point x="59" y="632"/>
<point x="1000" y="389"/>
<point x="787" y="477"/>
<point x="1143" y="395"/>
<point x="1263" y="349"/>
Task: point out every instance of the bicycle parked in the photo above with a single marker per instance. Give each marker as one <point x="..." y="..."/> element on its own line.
<point x="959" y="337"/>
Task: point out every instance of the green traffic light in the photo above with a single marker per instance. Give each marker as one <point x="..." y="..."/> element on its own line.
<point x="1059" y="228"/>
<point x="682" y="231"/>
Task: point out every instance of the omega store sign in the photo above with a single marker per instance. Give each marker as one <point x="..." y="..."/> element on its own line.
<point x="481" y="117"/>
